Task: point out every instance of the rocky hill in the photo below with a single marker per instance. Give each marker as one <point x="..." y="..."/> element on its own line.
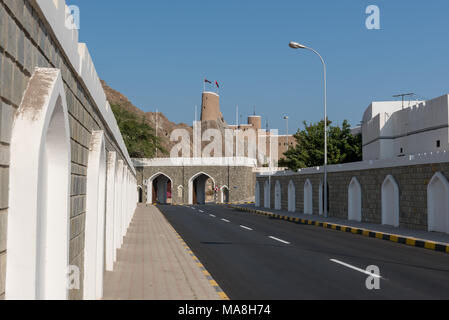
<point x="165" y="127"/>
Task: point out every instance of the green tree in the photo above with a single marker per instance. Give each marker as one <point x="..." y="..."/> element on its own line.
<point x="138" y="134"/>
<point x="343" y="147"/>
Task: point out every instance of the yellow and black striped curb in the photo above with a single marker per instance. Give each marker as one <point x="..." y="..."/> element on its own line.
<point x="211" y="280"/>
<point x="431" y="245"/>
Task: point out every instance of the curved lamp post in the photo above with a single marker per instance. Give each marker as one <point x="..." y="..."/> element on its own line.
<point x="295" y="45"/>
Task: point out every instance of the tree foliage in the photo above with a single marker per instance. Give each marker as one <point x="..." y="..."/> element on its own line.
<point x="139" y="136"/>
<point x="343" y="147"/>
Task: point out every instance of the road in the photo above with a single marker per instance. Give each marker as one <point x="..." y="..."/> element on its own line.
<point x="254" y="257"/>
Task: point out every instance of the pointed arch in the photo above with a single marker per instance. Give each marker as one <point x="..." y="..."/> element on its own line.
<point x="291" y="196"/>
<point x="390" y="202"/>
<point x="266" y="194"/>
<point x="308" y="197"/>
<point x="39" y="192"/>
<point x="224" y="190"/>
<point x="95" y="217"/>
<point x="200" y="186"/>
<point x="257" y="194"/>
<point x="355" y="200"/>
<point x="438" y="203"/>
<point x="277" y="196"/>
<point x="162" y="187"/>
<point x="110" y="210"/>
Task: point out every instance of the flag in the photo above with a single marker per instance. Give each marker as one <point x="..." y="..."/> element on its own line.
<point x="216" y="83"/>
<point x="207" y="81"/>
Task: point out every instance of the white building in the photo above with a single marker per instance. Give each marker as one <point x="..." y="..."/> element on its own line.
<point x="394" y="129"/>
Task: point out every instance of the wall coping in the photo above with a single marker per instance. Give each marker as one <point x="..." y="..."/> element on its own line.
<point x="412" y="160"/>
<point x="193" y="162"/>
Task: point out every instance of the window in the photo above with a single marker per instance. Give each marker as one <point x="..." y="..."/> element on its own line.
<point x="402" y="150"/>
<point x="438" y="143"/>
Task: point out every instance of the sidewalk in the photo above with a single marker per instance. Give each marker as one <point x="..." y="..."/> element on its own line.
<point x="429" y="240"/>
<point x="154" y="264"/>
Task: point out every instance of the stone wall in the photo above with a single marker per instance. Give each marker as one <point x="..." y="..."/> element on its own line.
<point x="27" y="41"/>
<point x="240" y="180"/>
<point x="412" y="181"/>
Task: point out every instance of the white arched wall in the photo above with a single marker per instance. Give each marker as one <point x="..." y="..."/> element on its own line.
<point x="223" y="191"/>
<point x="257" y="194"/>
<point x="355" y="200"/>
<point x="95" y="217"/>
<point x="266" y="194"/>
<point x="277" y="196"/>
<point x="438" y="203"/>
<point x="308" y="197"/>
<point x="291" y="196"/>
<point x="110" y="210"/>
<point x="390" y="202"/>
<point x="192" y="179"/>
<point x="118" y="207"/>
<point x="162" y="187"/>
<point x="39" y="192"/>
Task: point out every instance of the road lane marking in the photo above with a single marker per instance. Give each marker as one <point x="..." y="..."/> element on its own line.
<point x="246" y="228"/>
<point x="212" y="216"/>
<point x="225" y="220"/>
<point x="355" y="268"/>
<point x="201" y="211"/>
<point x="280" y="240"/>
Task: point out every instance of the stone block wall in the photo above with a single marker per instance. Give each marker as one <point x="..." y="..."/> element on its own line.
<point x="239" y="180"/>
<point x="27" y="41"/>
<point x="412" y="181"/>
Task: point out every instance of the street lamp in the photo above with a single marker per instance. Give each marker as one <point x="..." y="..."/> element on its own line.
<point x="295" y="45"/>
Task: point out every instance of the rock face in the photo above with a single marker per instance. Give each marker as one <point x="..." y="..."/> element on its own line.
<point x="165" y="127"/>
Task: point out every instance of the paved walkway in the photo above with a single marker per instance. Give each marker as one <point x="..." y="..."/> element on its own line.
<point x="417" y="234"/>
<point x="153" y="264"/>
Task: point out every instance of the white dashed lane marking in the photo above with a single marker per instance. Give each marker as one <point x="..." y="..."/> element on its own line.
<point x="347" y="265"/>
<point x="246" y="228"/>
<point x="279" y="240"/>
<point x="227" y="221"/>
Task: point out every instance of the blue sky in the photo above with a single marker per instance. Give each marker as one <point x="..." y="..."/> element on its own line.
<point x="157" y="53"/>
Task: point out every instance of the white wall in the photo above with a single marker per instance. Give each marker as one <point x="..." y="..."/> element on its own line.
<point x="414" y="129"/>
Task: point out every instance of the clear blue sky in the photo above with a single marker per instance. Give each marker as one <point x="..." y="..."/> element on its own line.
<point x="158" y="52"/>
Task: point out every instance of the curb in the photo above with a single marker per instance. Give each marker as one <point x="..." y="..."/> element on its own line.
<point x="419" y="243"/>
<point x="212" y="282"/>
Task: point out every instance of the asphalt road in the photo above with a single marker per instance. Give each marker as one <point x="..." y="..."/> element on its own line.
<point x="254" y="257"/>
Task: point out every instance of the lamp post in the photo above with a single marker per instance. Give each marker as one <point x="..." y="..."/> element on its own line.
<point x="295" y="45"/>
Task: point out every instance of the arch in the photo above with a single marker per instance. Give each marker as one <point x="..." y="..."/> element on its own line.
<point x="438" y="203"/>
<point x="390" y="202"/>
<point x="161" y="188"/>
<point x="118" y="207"/>
<point x="39" y="192"/>
<point x="201" y="187"/>
<point x="110" y="210"/>
<point x="224" y="190"/>
<point x="355" y="200"/>
<point x="140" y="194"/>
<point x="266" y="195"/>
<point x="291" y="196"/>
<point x="277" y="196"/>
<point x="257" y="194"/>
<point x="95" y="216"/>
<point x="308" y="197"/>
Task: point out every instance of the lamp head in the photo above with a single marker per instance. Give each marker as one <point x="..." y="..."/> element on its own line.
<point x="296" y="45"/>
